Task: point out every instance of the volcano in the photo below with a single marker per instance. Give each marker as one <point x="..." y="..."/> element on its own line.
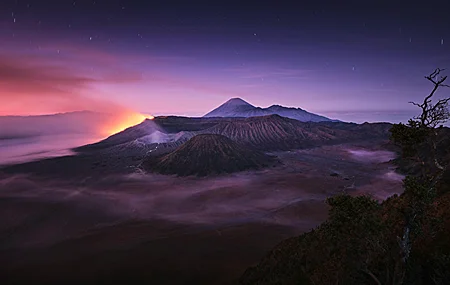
<point x="236" y="107"/>
<point x="265" y="133"/>
<point x="208" y="154"/>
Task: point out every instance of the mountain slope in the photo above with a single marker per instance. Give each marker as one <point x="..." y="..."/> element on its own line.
<point x="296" y="113"/>
<point x="208" y="154"/>
<point x="237" y="107"/>
<point x="279" y="133"/>
<point x="147" y="127"/>
<point x="266" y="133"/>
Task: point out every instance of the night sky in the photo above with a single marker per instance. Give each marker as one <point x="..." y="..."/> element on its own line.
<point x="166" y="57"/>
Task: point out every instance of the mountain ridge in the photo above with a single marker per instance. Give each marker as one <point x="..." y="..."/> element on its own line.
<point x="239" y="108"/>
<point x="265" y="133"/>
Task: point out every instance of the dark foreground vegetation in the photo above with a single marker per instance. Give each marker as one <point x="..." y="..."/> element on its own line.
<point x="403" y="240"/>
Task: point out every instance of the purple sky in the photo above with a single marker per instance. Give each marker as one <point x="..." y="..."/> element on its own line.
<point x="164" y="57"/>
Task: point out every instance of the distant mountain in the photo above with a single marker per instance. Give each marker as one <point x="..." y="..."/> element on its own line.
<point x="208" y="154"/>
<point x="265" y="133"/>
<point x="236" y="107"/>
<point x="79" y="122"/>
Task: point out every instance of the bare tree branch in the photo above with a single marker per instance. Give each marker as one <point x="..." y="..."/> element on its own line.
<point x="368" y="272"/>
<point x="434" y="114"/>
<point x="414" y="103"/>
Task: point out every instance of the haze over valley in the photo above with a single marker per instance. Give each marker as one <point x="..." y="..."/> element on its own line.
<point x="27" y="138"/>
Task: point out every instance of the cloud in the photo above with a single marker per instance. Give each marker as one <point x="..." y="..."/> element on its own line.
<point x="58" y="82"/>
<point x="28" y="76"/>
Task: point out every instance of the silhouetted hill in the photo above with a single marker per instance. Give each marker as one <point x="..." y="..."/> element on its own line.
<point x="208" y="154"/>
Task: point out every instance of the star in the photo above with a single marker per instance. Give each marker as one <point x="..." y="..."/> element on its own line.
<point x="254" y="34"/>
<point x="353" y="68"/>
<point x="442" y="42"/>
<point x="90" y="38"/>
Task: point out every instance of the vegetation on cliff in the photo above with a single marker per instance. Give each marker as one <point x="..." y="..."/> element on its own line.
<point x="403" y="240"/>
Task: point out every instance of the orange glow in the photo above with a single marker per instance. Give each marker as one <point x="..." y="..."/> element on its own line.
<point x="125" y="121"/>
<point x="150" y="117"/>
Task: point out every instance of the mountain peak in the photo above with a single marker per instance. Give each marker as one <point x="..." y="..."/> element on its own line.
<point x="231" y="108"/>
<point x="236" y="107"/>
<point x="237" y="102"/>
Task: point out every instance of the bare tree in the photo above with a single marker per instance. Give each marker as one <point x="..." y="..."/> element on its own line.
<point x="434" y="114"/>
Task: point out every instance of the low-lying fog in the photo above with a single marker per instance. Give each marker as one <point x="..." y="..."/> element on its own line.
<point x="26" y="138"/>
<point x="368" y="156"/>
<point x="35" y="211"/>
<point x="45" y="211"/>
<point x="19" y="150"/>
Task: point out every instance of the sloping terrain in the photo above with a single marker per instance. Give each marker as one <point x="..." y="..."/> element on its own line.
<point x="143" y="129"/>
<point x="236" y="107"/>
<point x="266" y="133"/>
<point x="125" y="151"/>
<point x="208" y="154"/>
<point x="279" y="133"/>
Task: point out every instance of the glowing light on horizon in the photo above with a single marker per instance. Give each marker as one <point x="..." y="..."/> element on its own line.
<point x="125" y="121"/>
<point x="147" y="116"/>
